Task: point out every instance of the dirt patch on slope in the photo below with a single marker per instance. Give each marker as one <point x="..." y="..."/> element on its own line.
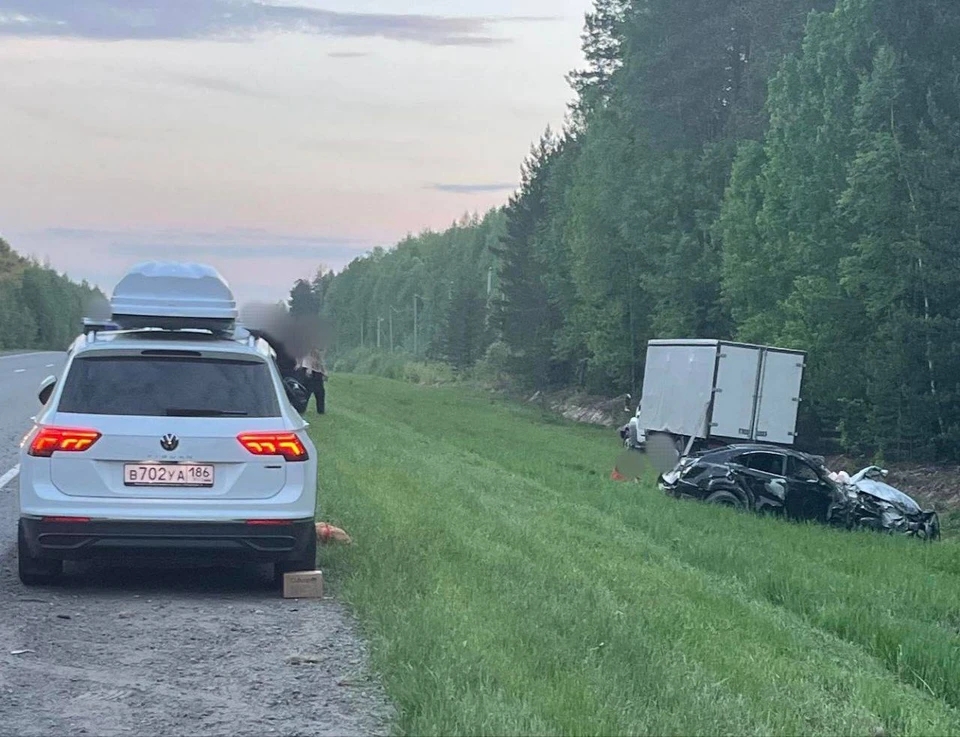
<point x="581" y="407"/>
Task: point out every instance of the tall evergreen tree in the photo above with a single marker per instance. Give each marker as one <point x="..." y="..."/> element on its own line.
<point x="303" y="300"/>
<point x="526" y="318"/>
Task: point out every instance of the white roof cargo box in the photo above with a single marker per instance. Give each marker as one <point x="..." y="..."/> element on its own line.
<point x="174" y="296"/>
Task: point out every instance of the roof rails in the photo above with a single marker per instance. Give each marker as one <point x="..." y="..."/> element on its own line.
<point x="239" y="335"/>
<point x="91" y="325"/>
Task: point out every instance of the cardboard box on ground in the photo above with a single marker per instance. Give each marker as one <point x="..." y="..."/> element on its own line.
<point x="303" y="585"/>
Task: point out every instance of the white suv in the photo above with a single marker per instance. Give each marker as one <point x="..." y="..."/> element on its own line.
<point x="166" y="440"/>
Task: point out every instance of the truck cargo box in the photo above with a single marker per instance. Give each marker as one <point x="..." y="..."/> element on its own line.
<point x="718" y="389"/>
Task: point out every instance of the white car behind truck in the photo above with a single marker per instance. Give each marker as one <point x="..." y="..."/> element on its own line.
<point x="700" y="393"/>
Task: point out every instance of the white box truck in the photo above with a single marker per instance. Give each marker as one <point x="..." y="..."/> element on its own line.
<point x="714" y="392"/>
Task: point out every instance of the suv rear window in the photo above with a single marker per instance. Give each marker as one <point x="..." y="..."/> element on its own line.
<point x="172" y="386"/>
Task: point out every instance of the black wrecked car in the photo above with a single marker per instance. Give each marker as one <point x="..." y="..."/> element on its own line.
<point x="763" y="478"/>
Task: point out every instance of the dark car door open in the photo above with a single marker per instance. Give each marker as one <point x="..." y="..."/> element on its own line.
<point x="763" y="472"/>
<point x="808" y="496"/>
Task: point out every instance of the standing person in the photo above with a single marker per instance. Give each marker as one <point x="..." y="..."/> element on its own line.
<point x="315" y="373"/>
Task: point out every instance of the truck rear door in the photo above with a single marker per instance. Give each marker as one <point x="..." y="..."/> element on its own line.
<point x="780" y="379"/>
<point x="677" y="386"/>
<point x="738" y="368"/>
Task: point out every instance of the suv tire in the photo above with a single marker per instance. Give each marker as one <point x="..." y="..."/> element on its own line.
<point x="726" y="499"/>
<point x="34" y="571"/>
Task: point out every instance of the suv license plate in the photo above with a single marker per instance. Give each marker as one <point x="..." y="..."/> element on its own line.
<point x="164" y="474"/>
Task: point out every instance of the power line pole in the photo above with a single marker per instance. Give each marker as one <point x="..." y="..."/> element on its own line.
<point x="416" y="325"/>
<point x="379" y="320"/>
<point x="392" y="310"/>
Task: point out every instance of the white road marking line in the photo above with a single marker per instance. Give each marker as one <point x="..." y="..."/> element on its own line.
<point x="9" y="476"/>
<point x="20" y="355"/>
<point x="18" y="371"/>
<point x="50" y="365"/>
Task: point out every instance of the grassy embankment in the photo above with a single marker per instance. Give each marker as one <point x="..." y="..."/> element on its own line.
<point x="507" y="587"/>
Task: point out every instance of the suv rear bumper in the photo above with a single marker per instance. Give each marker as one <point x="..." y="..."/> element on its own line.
<point x="208" y="540"/>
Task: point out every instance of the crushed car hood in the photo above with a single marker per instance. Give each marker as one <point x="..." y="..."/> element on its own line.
<point x="888" y="494"/>
<point x="869" y="503"/>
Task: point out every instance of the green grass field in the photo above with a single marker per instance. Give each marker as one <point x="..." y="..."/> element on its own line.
<point x="508" y="587"/>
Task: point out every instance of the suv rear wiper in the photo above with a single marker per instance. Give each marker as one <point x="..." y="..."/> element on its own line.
<point x="182" y="412"/>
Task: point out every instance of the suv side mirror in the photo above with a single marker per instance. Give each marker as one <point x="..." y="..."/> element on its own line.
<point x="46" y="389"/>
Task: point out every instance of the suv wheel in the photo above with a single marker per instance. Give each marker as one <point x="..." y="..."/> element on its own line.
<point x="34" y="571"/>
<point x="307" y="562"/>
<point x="726" y="499"/>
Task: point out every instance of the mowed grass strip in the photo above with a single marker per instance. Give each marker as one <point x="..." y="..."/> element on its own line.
<point x="509" y="588"/>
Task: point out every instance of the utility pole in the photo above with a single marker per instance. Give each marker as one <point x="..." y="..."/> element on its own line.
<point x="379" y="320"/>
<point x="416" y="325"/>
<point x="392" y="310"/>
<point x="489" y="281"/>
<point x="361" y="332"/>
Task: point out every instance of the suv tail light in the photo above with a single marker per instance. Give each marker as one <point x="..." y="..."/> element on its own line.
<point x="50" y="440"/>
<point x="285" y="444"/>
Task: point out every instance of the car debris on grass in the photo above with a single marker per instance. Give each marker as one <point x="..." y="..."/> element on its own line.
<point x="763" y="478"/>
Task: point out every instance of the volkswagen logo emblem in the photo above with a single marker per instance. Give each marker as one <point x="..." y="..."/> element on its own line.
<point x="169" y="442"/>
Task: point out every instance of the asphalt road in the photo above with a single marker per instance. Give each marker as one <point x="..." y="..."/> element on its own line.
<point x="20" y="376"/>
<point x="165" y="651"/>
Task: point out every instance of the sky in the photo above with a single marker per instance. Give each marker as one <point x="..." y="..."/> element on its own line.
<point x="266" y="139"/>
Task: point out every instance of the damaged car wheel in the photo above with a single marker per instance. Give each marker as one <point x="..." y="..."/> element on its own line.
<point x="726" y="499"/>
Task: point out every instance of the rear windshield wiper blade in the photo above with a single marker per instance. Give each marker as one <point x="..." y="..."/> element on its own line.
<point x="187" y="412"/>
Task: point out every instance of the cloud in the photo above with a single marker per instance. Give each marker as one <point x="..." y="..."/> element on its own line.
<point x="110" y="20"/>
<point x="259" y="264"/>
<point x="472" y="188"/>
<point x="216" y="84"/>
<point x="59" y="118"/>
<point x="233" y="251"/>
<point x="169" y="235"/>
<point x="230" y="244"/>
